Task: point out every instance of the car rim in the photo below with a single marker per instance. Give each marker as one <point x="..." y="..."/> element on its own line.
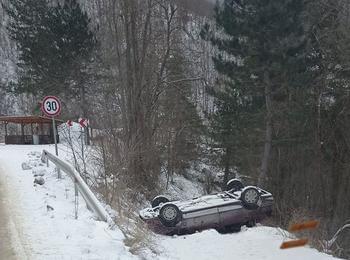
<point x="251" y="196"/>
<point x="169" y="213"/>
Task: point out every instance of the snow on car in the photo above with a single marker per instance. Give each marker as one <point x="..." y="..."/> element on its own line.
<point x="225" y="211"/>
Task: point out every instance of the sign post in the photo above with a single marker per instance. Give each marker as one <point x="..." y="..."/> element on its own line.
<point x="51" y="107"/>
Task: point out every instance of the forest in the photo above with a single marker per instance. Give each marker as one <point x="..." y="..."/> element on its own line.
<point x="254" y="89"/>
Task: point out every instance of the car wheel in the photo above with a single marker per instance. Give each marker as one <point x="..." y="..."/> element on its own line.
<point x="235" y="228"/>
<point x="229" y="229"/>
<point x="159" y="200"/>
<point x="234" y="185"/>
<point x="251" y="223"/>
<point x="250" y="198"/>
<point x="169" y="215"/>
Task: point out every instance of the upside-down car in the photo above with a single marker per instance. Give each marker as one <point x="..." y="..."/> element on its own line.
<point x="224" y="211"/>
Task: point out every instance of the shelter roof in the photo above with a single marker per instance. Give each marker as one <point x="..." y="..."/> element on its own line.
<point x="28" y="120"/>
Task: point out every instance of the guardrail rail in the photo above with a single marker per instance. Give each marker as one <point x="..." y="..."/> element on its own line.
<point x="89" y="197"/>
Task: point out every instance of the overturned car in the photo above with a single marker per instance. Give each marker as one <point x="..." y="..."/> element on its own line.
<point x="225" y="211"/>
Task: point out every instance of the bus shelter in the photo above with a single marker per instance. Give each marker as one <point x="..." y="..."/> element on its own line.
<point x="29" y="129"/>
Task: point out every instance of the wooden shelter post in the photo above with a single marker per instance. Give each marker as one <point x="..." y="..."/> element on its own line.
<point x="22" y="132"/>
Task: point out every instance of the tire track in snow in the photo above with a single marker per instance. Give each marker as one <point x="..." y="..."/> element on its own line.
<point x="11" y="240"/>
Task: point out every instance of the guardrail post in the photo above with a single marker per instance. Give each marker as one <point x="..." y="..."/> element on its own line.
<point x="59" y="176"/>
<point x="76" y="198"/>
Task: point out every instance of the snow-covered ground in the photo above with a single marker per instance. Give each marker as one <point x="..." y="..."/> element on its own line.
<point x="46" y="227"/>
<point x="46" y="214"/>
<point x="256" y="243"/>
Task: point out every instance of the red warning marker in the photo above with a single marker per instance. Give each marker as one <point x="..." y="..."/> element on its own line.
<point x="294" y="243"/>
<point x="306" y="225"/>
<point x="83" y="122"/>
<point x="296" y="228"/>
<point x="70" y="123"/>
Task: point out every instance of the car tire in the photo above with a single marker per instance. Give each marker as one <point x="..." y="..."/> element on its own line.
<point x="159" y="200"/>
<point x="234" y="185"/>
<point x="169" y="215"/>
<point x="229" y="229"/>
<point x="235" y="228"/>
<point x="250" y="198"/>
<point x="251" y="223"/>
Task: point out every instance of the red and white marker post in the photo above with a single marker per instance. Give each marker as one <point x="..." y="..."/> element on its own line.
<point x="70" y="123"/>
<point x="83" y="122"/>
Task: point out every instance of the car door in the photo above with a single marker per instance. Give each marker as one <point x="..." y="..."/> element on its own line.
<point x="202" y="218"/>
<point x="231" y="213"/>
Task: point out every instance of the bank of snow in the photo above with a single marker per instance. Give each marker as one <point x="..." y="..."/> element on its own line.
<point x="47" y="214"/>
<point x="258" y="243"/>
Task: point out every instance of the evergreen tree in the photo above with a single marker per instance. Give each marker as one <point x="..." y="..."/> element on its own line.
<point x="182" y="124"/>
<point x="230" y="124"/>
<point x="54" y="43"/>
<point x="260" y="54"/>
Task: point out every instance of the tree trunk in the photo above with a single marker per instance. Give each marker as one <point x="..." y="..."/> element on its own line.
<point x="268" y="132"/>
<point x="227" y="166"/>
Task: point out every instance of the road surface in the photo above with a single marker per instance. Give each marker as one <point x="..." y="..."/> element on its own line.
<point x="10" y="240"/>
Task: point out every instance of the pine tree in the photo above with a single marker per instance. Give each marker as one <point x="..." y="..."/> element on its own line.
<point x="26" y="28"/>
<point x="229" y="126"/>
<point x="54" y="44"/>
<point x="260" y="54"/>
<point x="181" y="121"/>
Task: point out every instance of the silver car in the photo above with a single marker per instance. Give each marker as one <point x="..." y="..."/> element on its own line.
<point x="226" y="211"/>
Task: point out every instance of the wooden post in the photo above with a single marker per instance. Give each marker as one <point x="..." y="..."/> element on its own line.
<point x="22" y="131"/>
<point x="32" y="131"/>
<point x="6" y="132"/>
<point x="41" y="129"/>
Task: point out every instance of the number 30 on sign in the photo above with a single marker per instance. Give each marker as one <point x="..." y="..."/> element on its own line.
<point x="51" y="106"/>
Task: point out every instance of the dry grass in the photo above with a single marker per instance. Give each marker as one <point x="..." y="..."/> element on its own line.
<point x="137" y="236"/>
<point x="140" y="238"/>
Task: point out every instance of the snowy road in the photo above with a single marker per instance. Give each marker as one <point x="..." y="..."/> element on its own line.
<point x="6" y="250"/>
<point x="11" y="246"/>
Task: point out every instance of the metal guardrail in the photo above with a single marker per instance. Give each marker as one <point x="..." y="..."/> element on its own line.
<point x="89" y="197"/>
<point x="328" y="244"/>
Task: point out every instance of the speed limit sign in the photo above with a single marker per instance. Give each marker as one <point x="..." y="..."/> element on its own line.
<point x="51" y="106"/>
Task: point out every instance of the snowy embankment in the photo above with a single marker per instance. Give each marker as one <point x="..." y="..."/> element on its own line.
<point x="256" y="243"/>
<point x="47" y="228"/>
<point x="46" y="213"/>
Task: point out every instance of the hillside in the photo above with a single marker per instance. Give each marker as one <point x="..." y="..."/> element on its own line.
<point x="181" y="99"/>
<point x="46" y="228"/>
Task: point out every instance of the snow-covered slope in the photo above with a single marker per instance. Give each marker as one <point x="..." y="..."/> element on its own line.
<point x="46" y="213"/>
<point x="47" y="229"/>
<point x="250" y="244"/>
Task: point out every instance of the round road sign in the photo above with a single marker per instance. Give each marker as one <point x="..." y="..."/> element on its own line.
<point x="51" y="106"/>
